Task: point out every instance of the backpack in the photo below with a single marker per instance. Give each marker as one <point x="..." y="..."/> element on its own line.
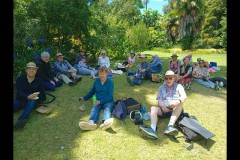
<point x="120" y="110"/>
<point x="193" y="131"/>
<point x="124" y="106"/>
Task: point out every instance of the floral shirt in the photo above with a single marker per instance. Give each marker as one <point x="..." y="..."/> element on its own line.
<point x="201" y="72"/>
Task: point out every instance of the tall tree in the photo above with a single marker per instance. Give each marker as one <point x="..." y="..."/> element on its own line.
<point x="184" y="19"/>
<point x="211" y="31"/>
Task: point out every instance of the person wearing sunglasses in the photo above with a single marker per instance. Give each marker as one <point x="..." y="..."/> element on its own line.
<point x="201" y="76"/>
<point x="171" y="96"/>
<point x="103" y="88"/>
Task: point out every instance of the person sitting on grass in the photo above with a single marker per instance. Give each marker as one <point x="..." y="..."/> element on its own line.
<point x="155" y="65"/>
<point x="45" y="72"/>
<point x="30" y="92"/>
<point x="103" y="87"/>
<point x="82" y="68"/>
<point x="190" y="60"/>
<point x="206" y="64"/>
<point x="201" y="76"/>
<point x="80" y="55"/>
<point x="185" y="73"/>
<point x="171" y="96"/>
<point x="131" y="60"/>
<point x="174" y="64"/>
<point x="142" y="73"/>
<point x="63" y="69"/>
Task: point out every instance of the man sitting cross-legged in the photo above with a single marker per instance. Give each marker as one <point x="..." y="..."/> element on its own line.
<point x="171" y="96"/>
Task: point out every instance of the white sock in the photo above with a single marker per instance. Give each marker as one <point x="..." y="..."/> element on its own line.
<point x="153" y="126"/>
<point x="91" y="121"/>
<point x="170" y="123"/>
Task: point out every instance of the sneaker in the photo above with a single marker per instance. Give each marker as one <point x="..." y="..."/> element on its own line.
<point x="77" y="80"/>
<point x="107" y="124"/>
<point x="87" y="126"/>
<point x="183" y="84"/>
<point x="217" y="86"/>
<point x="149" y="131"/>
<point x="189" y="84"/>
<point x="20" y="124"/>
<point x="221" y="84"/>
<point x="171" y="131"/>
<point x="130" y="81"/>
<point x="71" y="83"/>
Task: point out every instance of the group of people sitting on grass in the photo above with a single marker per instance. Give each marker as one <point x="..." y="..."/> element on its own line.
<point x="185" y="69"/>
<point x="39" y="78"/>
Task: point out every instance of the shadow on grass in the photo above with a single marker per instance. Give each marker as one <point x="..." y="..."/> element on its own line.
<point x="46" y="134"/>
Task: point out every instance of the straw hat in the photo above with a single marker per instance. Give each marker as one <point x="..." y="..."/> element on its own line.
<point x="170" y="73"/>
<point x="142" y="56"/>
<point x="31" y="65"/>
<point x="59" y="54"/>
<point x="174" y="55"/>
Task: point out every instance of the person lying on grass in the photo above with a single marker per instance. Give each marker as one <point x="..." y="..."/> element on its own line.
<point x="171" y="96"/>
<point x="103" y="88"/>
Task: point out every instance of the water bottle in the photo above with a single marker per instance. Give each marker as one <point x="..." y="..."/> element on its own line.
<point x="143" y="109"/>
<point x="94" y="99"/>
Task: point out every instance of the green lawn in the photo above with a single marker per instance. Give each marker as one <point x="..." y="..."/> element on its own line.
<point x="58" y="136"/>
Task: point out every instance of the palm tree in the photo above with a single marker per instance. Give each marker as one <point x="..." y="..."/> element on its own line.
<point x="145" y="2"/>
<point x="185" y="19"/>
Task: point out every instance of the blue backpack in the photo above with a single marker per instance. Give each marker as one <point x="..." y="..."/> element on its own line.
<point x="120" y="110"/>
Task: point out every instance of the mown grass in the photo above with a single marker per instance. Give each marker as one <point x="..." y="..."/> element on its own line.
<point x="58" y="136"/>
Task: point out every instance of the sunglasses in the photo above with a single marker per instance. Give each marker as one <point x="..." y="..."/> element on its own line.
<point x="168" y="79"/>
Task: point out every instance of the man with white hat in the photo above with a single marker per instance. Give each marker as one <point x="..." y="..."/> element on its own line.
<point x="30" y="92"/>
<point x="141" y="73"/>
<point x="171" y="96"/>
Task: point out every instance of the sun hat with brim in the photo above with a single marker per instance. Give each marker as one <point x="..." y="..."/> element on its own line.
<point x="170" y="73"/>
<point x="174" y="55"/>
<point x="31" y="65"/>
<point x="59" y="54"/>
<point x="142" y="56"/>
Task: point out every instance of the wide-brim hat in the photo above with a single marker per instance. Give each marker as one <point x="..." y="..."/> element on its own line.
<point x="174" y="55"/>
<point x="142" y="56"/>
<point x="31" y="65"/>
<point x="170" y="73"/>
<point x="59" y="54"/>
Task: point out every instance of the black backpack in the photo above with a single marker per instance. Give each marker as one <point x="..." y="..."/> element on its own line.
<point x="193" y="131"/>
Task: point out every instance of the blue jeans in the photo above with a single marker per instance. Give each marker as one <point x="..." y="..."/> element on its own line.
<point x="208" y="83"/>
<point x="87" y="71"/>
<point x="49" y="86"/>
<point x="28" y="106"/>
<point x="107" y="111"/>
